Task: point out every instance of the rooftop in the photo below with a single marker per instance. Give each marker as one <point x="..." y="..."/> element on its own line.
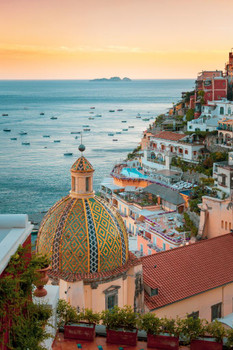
<point x="165" y="193"/>
<point x="14" y="230"/>
<point x="205" y="265"/>
<point x="169" y="135"/>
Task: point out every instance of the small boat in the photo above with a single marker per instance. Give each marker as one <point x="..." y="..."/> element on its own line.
<point x="7" y="130"/>
<point x="76" y="137"/>
<point x="68" y="154"/>
<point x="115" y="139"/>
<point x="42" y="113"/>
<point x="111" y="134"/>
<point x="26" y="143"/>
<point x="118" y="132"/>
<point x="23" y="132"/>
<point x="46" y="135"/>
<point x="119" y="110"/>
<point x="138" y="115"/>
<point x="125" y="129"/>
<point x="86" y="126"/>
<point x="92" y="107"/>
<point x="123" y="121"/>
<point x="56" y="141"/>
<point x="111" y="110"/>
<point x="5" y="115"/>
<point x="91" y="118"/>
<point x="75" y="132"/>
<point x="146" y="119"/>
<point x="53" y="118"/>
<point x="13" y="138"/>
<point x="98" y="115"/>
<point x="91" y="112"/>
<point x="86" y="129"/>
<point x="131" y="126"/>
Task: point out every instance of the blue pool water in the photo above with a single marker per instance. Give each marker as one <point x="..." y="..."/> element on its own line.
<point x="33" y="177"/>
<point x="134" y="173"/>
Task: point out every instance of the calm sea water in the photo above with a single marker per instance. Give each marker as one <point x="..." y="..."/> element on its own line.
<point x="34" y="177"/>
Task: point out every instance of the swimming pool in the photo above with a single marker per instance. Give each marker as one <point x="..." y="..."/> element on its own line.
<point x="133" y="173"/>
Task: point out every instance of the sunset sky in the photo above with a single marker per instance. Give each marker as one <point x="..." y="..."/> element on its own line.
<point x="82" y="39"/>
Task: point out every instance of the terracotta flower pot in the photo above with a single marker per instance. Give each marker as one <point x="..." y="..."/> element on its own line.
<point x="41" y="282"/>
<point x="122" y="337"/>
<point x="165" y="342"/>
<point x="198" y="344"/>
<point x="82" y="330"/>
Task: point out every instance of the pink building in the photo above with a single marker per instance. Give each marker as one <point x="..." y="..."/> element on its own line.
<point x="196" y="279"/>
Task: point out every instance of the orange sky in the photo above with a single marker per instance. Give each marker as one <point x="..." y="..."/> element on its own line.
<point x="78" y="39"/>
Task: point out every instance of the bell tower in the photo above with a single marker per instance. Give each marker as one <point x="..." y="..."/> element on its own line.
<point x="81" y="177"/>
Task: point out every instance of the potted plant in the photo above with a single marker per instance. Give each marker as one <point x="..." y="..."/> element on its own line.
<point x="77" y="325"/>
<point x="154" y="327"/>
<point x="214" y="338"/>
<point x="121" y="325"/>
<point x="41" y="264"/>
<point x="191" y="329"/>
<point x="229" y="334"/>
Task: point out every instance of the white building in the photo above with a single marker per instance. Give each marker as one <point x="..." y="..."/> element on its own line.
<point x="211" y="114"/>
<point x="223" y="175"/>
<point x="167" y="144"/>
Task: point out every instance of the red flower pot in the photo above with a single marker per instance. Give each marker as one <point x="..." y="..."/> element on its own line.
<point x="84" y="331"/>
<point x="198" y="344"/>
<point x="165" y="342"/>
<point x="41" y="282"/>
<point x="122" y="337"/>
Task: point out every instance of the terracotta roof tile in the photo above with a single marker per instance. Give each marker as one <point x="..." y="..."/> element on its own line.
<point x="91" y="277"/>
<point x="183" y="272"/>
<point x="169" y="135"/>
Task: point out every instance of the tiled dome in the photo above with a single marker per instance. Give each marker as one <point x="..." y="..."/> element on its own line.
<point x="83" y="235"/>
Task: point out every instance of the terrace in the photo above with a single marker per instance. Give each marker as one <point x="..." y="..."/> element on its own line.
<point x="164" y="226"/>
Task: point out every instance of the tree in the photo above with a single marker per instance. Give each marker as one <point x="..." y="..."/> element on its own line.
<point x="190" y="114"/>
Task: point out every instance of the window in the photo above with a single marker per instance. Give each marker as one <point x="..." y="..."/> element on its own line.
<point x="141" y="248"/>
<point x="229" y="226"/>
<point x="154" y="291"/>
<point x="111" y="297"/>
<point x="154" y="240"/>
<point x="225" y="225"/>
<point x="222" y="224"/>
<point x="164" y="246"/>
<point x="221" y="110"/>
<point x="194" y="315"/>
<point x="111" y="301"/>
<point x="186" y="151"/>
<point x="216" y="311"/>
<point x="87" y="184"/>
<point x="125" y="211"/>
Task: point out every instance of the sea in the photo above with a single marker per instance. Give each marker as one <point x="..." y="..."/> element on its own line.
<point x="33" y="176"/>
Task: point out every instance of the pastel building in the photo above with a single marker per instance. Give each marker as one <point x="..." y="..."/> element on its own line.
<point x="196" y="279"/>
<point x="87" y="242"/>
<point x="158" y="232"/>
<point x="216" y="217"/>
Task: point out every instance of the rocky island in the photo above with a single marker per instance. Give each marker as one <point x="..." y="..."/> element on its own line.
<point x="112" y="79"/>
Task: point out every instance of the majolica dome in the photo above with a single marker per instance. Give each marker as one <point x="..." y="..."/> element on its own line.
<point x="81" y="232"/>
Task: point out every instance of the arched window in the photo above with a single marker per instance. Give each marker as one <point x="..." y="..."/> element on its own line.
<point x="229" y="110"/>
<point x="221" y="110"/>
